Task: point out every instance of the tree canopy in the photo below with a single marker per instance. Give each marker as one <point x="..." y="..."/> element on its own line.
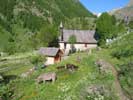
<point x="72" y="39"/>
<point x="131" y="24"/>
<point x="108" y="27"/>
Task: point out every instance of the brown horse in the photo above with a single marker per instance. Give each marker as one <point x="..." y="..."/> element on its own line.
<point x="60" y="67"/>
<point x="71" y="67"/>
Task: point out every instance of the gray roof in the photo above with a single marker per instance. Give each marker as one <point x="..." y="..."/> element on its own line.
<point x="48" y="51"/>
<point x="82" y="36"/>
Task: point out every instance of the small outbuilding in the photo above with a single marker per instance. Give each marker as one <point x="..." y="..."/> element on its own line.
<point x="53" y="55"/>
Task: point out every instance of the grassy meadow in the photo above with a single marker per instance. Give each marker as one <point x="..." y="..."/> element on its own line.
<point x="68" y="86"/>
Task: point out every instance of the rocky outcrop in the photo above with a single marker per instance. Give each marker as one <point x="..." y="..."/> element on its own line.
<point x="130" y="3"/>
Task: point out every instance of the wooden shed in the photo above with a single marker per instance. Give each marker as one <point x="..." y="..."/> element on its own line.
<point x="53" y="55"/>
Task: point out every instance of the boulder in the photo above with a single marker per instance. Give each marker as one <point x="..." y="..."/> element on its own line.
<point x="46" y="77"/>
<point x="97" y="90"/>
<point x="104" y="67"/>
<point x="94" y="89"/>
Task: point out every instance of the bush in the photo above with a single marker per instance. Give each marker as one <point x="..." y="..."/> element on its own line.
<point x="36" y="59"/>
<point x="5" y="92"/>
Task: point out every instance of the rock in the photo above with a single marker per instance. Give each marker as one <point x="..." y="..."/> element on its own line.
<point x="94" y="89"/>
<point x="104" y="67"/>
<point x="98" y="49"/>
<point x="98" y="90"/>
<point x="28" y="73"/>
<point x="24" y="75"/>
<point x="46" y="77"/>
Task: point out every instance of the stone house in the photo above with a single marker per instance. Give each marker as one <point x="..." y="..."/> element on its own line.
<point x="85" y="39"/>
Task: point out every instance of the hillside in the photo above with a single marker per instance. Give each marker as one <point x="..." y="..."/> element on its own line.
<point x="27" y="18"/>
<point x="120" y="54"/>
<point x="125" y="11"/>
<point x="32" y="14"/>
<point x="130" y="3"/>
<point x="70" y="85"/>
<point x="74" y="85"/>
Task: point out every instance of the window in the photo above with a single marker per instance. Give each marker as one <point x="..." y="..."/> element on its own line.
<point x="65" y="45"/>
<point x="85" y="45"/>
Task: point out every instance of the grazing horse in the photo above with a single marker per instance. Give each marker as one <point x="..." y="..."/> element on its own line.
<point x="60" y="67"/>
<point x="71" y="67"/>
<point x="46" y="77"/>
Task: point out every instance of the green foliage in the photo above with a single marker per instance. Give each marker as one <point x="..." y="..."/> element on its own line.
<point x="105" y="25"/>
<point x="108" y="27"/>
<point x="131" y="24"/>
<point x="6" y="8"/>
<point x="123" y="51"/>
<point x="123" y="47"/>
<point x="83" y="23"/>
<point x="31" y="21"/>
<point x="4" y="38"/>
<point x="27" y="25"/>
<point x="48" y="36"/>
<point x="5" y="92"/>
<point x="36" y="59"/>
<point x="72" y="10"/>
<point x="72" y="39"/>
<point x="121" y="28"/>
<point x="68" y="85"/>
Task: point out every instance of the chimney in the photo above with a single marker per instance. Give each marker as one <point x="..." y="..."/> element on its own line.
<point x="61" y="31"/>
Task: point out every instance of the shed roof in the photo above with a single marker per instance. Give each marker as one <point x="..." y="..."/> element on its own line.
<point x="48" y="51"/>
<point x="82" y="36"/>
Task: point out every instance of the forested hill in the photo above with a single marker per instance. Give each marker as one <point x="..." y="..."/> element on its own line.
<point x="33" y="13"/>
<point x="21" y="20"/>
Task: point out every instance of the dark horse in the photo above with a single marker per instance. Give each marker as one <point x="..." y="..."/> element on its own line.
<point x="71" y="67"/>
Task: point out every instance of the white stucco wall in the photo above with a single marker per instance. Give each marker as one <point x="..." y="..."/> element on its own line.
<point x="81" y="47"/>
<point x="49" y="60"/>
<point x="61" y="45"/>
<point x="90" y="46"/>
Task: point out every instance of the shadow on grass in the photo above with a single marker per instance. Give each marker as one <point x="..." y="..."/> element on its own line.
<point x="8" y="78"/>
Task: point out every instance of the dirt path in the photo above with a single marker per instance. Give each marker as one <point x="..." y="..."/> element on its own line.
<point x="117" y="85"/>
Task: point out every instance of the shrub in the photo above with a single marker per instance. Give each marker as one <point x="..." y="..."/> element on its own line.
<point x="36" y="59"/>
<point x="5" y="92"/>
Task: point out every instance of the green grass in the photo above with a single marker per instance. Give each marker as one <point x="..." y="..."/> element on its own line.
<point x="68" y="86"/>
<point x="16" y="64"/>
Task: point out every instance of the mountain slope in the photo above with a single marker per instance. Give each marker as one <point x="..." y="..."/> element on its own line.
<point x="33" y="12"/>
<point x="23" y="19"/>
<point x="130" y="3"/>
<point x="124" y="12"/>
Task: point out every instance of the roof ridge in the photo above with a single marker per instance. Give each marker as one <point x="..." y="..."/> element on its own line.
<point x="77" y="30"/>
